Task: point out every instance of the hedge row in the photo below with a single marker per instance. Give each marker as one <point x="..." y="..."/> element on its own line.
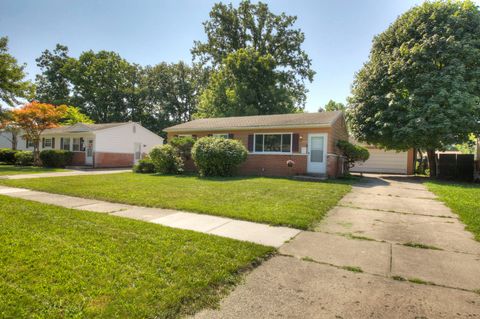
<point x="49" y="158"/>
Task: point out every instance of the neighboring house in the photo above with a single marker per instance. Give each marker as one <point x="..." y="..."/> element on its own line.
<point x="381" y="161"/>
<point x="309" y="139"/>
<point x="98" y="145"/>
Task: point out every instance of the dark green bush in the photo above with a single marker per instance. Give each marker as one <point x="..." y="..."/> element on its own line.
<point x="166" y="160"/>
<point x="218" y="156"/>
<point x="353" y="153"/>
<point x="183" y="145"/>
<point x="7" y="155"/>
<point x="56" y="158"/>
<point x="24" y="158"/>
<point x="144" y="166"/>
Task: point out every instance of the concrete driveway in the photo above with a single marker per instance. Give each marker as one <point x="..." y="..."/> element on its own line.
<point x="388" y="250"/>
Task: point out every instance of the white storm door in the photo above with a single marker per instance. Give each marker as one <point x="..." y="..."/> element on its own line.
<point x="89" y="152"/>
<point x="317" y="153"/>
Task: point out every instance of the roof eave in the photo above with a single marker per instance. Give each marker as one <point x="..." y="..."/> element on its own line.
<point x="246" y="128"/>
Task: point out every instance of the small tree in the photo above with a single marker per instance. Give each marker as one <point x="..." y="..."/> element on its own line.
<point x="34" y="118"/>
<point x="353" y="153"/>
<point x="73" y="115"/>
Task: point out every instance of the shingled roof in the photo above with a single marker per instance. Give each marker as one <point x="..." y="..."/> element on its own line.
<point x="259" y="121"/>
<point x="81" y="127"/>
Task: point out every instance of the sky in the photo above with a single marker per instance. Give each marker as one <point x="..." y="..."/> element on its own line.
<point x="338" y="33"/>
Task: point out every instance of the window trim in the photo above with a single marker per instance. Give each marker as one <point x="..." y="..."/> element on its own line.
<point x="270" y="152"/>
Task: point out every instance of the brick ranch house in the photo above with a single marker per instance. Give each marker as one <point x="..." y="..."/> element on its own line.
<point x="99" y="145"/>
<point x="308" y="139"/>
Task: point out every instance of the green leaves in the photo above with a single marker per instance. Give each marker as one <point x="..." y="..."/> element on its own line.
<point x="12" y="78"/>
<point x="246" y="83"/>
<point x="254" y="26"/>
<point x="421" y="85"/>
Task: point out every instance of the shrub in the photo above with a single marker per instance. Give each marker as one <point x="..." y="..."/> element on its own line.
<point x="218" y="156"/>
<point x="353" y="152"/>
<point x="24" y="158"/>
<point x="144" y="166"/>
<point x="7" y="155"/>
<point x="56" y="158"/>
<point x="166" y="159"/>
<point x="183" y="145"/>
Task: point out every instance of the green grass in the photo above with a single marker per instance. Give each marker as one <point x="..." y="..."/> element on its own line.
<point x="421" y="246"/>
<point x="463" y="199"/>
<point x="63" y="263"/>
<point x="352" y="268"/>
<point x="276" y="201"/>
<point x="15" y="170"/>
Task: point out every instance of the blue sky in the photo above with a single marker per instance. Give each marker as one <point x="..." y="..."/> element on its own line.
<point x="338" y="32"/>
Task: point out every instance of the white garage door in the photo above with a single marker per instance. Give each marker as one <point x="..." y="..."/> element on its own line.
<point x="381" y="161"/>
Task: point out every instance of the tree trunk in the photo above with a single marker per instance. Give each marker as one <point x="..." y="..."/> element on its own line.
<point x="14" y="140"/>
<point x="432" y="162"/>
<point x="36" y="154"/>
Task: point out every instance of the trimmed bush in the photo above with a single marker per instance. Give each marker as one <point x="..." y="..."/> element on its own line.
<point x="24" y="158"/>
<point x="166" y="160"/>
<point x="7" y="155"/>
<point x="144" y="166"/>
<point x="183" y="145"/>
<point x="218" y="156"/>
<point x="56" y="158"/>
<point x="353" y="153"/>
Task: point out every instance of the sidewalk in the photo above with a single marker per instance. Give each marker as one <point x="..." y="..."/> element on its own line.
<point x="221" y="226"/>
<point x="68" y="173"/>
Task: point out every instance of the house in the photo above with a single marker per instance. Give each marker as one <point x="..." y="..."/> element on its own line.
<point x="96" y="145"/>
<point x="308" y="139"/>
<point x="382" y="161"/>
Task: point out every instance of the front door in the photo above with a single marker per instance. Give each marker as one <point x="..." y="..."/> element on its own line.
<point x="89" y="152"/>
<point x="317" y="153"/>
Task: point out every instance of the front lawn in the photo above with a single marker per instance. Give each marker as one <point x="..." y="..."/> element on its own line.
<point x="63" y="263"/>
<point x="15" y="170"/>
<point x="463" y="199"/>
<point x="276" y="201"/>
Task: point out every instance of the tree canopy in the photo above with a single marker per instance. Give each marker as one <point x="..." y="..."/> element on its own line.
<point x="12" y="77"/>
<point x="73" y="115"/>
<point x="254" y="26"/>
<point x="421" y="85"/>
<point x="245" y="84"/>
<point x="333" y="106"/>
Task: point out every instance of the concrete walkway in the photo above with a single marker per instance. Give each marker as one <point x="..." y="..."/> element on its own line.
<point x="225" y="227"/>
<point x="68" y="173"/>
<point x="357" y="264"/>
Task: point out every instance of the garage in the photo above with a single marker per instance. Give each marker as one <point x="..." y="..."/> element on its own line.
<point x="382" y="161"/>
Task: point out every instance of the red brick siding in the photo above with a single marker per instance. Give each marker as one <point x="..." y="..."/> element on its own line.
<point x="103" y="159"/>
<point x="275" y="165"/>
<point x="78" y="158"/>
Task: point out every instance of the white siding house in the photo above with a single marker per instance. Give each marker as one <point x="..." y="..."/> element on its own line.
<point x="97" y="145"/>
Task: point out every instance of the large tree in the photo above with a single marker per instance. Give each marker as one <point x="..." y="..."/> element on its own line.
<point x="12" y="77"/>
<point x="254" y="26"/>
<point x="52" y="83"/>
<point x="102" y="85"/>
<point x="421" y="85"/>
<point x="169" y="94"/>
<point x="245" y="84"/>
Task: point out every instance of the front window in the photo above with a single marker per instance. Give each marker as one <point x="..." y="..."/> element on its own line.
<point x="66" y="144"/>
<point x="30" y="143"/>
<point x="223" y="135"/>
<point x="48" y="142"/>
<point x="273" y="143"/>
<point x="76" y="144"/>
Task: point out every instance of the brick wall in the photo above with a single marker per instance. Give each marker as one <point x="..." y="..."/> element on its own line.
<point x="103" y="159"/>
<point x="78" y="159"/>
<point x="275" y="165"/>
